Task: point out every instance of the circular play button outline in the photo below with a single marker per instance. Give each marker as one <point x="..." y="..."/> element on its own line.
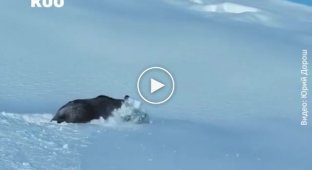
<point x="155" y="68"/>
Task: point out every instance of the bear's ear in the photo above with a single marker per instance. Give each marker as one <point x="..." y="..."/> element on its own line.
<point x="126" y="97"/>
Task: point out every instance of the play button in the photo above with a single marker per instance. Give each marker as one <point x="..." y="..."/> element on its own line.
<point x="155" y="85"/>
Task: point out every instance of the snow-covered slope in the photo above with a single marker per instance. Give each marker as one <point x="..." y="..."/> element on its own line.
<point x="272" y="13"/>
<point x="228" y="8"/>
<point x="236" y="64"/>
<point x="30" y="141"/>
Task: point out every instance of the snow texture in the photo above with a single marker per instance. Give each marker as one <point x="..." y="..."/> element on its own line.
<point x="236" y="65"/>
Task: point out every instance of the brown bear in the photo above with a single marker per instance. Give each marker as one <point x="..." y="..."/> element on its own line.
<point x="85" y="110"/>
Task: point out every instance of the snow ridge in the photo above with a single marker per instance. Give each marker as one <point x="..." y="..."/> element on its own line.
<point x="228" y="7"/>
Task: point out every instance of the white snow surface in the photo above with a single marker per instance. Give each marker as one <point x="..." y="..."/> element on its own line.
<point x="229" y="8"/>
<point x="31" y="141"/>
<point x="236" y="66"/>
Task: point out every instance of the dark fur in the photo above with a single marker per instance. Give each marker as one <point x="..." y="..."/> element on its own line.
<point x="85" y="110"/>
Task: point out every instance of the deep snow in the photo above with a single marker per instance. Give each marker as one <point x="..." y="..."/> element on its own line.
<point x="30" y="141"/>
<point x="236" y="105"/>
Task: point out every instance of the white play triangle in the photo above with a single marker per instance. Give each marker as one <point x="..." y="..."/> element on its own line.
<point x="156" y="85"/>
